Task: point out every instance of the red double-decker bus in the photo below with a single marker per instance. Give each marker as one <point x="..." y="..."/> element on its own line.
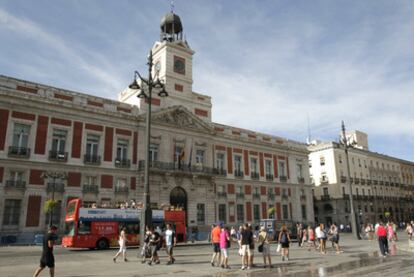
<point x="100" y="228"/>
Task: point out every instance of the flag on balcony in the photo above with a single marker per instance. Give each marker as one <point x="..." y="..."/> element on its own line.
<point x="191" y="156"/>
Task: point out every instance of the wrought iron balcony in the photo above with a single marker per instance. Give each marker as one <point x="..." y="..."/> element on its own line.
<point x="356" y="180"/>
<point x="343" y="179"/>
<point x="90" y="188"/>
<point x="301" y="180"/>
<point x="375" y="182"/>
<point x="238" y="173"/>
<point x="180" y="168"/>
<point x="325" y="197"/>
<point x="271" y="197"/>
<point x="269" y="177"/>
<point x="285" y="196"/>
<point x="92" y="159"/>
<point x="122" y="163"/>
<point x="220" y="171"/>
<point x="239" y="195"/>
<point x="20" y="152"/>
<point x="56" y="187"/>
<point x="369" y="182"/>
<point x="324" y="181"/>
<point x="121" y="189"/>
<point x="386" y="183"/>
<point x="58" y="156"/>
<point x="362" y="181"/>
<point x="222" y="194"/>
<point x="256" y="196"/>
<point x="283" y="179"/>
<point x="254" y="175"/>
<point x="15" y="184"/>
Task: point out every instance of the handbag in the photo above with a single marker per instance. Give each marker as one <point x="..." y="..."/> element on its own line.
<point x="279" y="247"/>
<point x="260" y="247"/>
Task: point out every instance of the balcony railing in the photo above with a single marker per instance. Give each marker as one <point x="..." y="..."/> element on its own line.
<point x="325" y="197"/>
<point x="221" y="171"/>
<point x="122" y="163"/>
<point x="90" y="188"/>
<point x="269" y="177"/>
<point x="182" y="168"/>
<point x="21" y="152"/>
<point x="56" y="187"/>
<point x="343" y="179"/>
<point x="222" y="194"/>
<point x="271" y="197"/>
<point x="301" y="180"/>
<point x="375" y="182"/>
<point x="386" y="183"/>
<point x="362" y="181"/>
<point x="256" y="196"/>
<point x="324" y="181"/>
<point x="368" y="182"/>
<point x="92" y="159"/>
<point x="58" y="156"/>
<point x="283" y="179"/>
<point x="254" y="175"/>
<point x="15" y="184"/>
<point x="121" y="189"/>
<point x="285" y="197"/>
<point x="238" y="173"/>
<point x="239" y="195"/>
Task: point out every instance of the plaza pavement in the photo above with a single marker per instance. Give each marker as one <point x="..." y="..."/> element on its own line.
<point x="359" y="259"/>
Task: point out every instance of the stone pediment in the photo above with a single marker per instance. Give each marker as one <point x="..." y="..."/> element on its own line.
<point x="180" y="117"/>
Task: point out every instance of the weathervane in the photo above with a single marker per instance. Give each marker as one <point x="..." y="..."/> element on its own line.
<point x="172" y="6"/>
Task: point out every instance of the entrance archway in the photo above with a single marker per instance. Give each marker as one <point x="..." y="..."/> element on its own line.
<point x="178" y="199"/>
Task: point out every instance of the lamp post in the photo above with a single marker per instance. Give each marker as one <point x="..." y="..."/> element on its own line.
<point x="354" y="225"/>
<point x="152" y="82"/>
<point x="54" y="176"/>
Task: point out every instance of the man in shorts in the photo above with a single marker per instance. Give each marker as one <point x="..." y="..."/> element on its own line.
<point x="215" y="239"/>
<point x="170" y="242"/>
<point x="246" y="239"/>
<point x="155" y="242"/>
<point x="47" y="258"/>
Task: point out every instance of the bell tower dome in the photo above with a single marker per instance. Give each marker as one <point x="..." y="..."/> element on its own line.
<point x="171" y="28"/>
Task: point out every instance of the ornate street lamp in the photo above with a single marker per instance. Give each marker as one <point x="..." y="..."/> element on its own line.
<point x="354" y="225"/>
<point x="146" y="93"/>
<point x="53" y="175"/>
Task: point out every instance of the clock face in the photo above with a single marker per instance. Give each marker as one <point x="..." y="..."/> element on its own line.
<point x="179" y="65"/>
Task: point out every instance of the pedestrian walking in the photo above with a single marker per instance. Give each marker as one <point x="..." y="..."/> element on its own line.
<point x="215" y="239"/>
<point x="299" y="234"/>
<point x="333" y="231"/>
<point x="170" y="243"/>
<point x="264" y="246"/>
<point x="155" y="244"/>
<point x="246" y="238"/>
<point x="409" y="230"/>
<point x="225" y="242"/>
<point x="390" y="230"/>
<point x="382" y="239"/>
<point x="146" y="251"/>
<point x="284" y="240"/>
<point x="122" y="245"/>
<point x="321" y="235"/>
<point x="48" y="259"/>
<point x="311" y="238"/>
<point x="255" y="234"/>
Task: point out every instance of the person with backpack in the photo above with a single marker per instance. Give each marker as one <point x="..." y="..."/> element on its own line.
<point x="284" y="240"/>
<point x="264" y="246"/>
<point x="224" y="247"/>
<point x="170" y="243"/>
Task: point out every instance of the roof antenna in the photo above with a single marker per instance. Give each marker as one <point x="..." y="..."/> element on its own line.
<point x="172" y="6"/>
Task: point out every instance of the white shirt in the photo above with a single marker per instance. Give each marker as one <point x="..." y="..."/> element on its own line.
<point x="318" y="232"/>
<point x="169" y="237"/>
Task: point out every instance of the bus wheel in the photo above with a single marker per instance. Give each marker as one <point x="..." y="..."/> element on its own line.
<point x="102" y="244"/>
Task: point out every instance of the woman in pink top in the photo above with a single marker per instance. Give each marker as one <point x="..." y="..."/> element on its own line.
<point x="224" y="245"/>
<point x="311" y="240"/>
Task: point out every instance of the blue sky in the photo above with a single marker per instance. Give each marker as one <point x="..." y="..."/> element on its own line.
<point x="267" y="64"/>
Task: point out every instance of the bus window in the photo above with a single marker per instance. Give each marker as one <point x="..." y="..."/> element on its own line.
<point x="71" y="209"/>
<point x="70" y="228"/>
<point x="84" y="227"/>
<point x="132" y="227"/>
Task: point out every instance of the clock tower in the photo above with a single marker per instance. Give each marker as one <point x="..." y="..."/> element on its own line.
<point x="173" y="60"/>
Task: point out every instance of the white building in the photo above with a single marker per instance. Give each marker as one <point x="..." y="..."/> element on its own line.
<point x="378" y="185"/>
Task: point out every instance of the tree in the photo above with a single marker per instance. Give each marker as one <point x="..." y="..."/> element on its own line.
<point x="271" y="212"/>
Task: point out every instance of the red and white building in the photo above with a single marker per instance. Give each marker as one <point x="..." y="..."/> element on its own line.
<point x="215" y="172"/>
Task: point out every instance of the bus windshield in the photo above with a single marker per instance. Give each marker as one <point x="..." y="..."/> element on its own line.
<point x="71" y="209"/>
<point x="70" y="228"/>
